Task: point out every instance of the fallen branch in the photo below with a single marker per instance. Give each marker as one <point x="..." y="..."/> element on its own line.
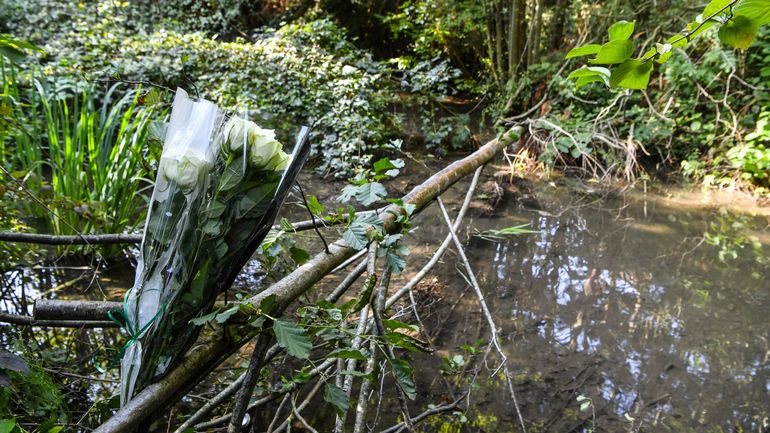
<point x="31" y="321"/>
<point x="130" y="238"/>
<point x="156" y="397"/>
<point x="52" y="309"/>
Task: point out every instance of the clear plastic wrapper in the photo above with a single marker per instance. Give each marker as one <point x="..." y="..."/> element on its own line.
<point x="220" y="183"/>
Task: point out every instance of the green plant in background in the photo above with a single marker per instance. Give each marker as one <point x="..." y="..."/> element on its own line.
<point x="82" y="154"/>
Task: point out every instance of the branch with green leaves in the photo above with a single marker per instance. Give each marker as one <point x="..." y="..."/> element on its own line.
<point x="738" y="21"/>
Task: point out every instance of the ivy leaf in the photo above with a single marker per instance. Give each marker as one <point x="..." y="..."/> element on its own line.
<point x="739" y="32"/>
<point x="292" y="338"/>
<point x="632" y="74"/>
<point x="403" y="373"/>
<point x="585" y="50"/>
<point x="614" y="52"/>
<point x="336" y="396"/>
<point x="621" y="30"/>
<point x="758" y="11"/>
<point x="370" y="193"/>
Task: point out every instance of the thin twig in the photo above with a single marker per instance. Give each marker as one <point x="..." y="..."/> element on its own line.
<point x="398" y="428"/>
<point x="484" y="309"/>
<point x="312" y="218"/>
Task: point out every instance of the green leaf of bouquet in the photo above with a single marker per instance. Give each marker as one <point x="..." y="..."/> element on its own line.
<point x="585" y="50"/>
<point x="632" y="74"/>
<point x="739" y="32"/>
<point x="621" y="30"/>
<point x="214" y="210"/>
<point x="212" y="227"/>
<point x="614" y="52"/>
<point x="231" y="175"/>
<point x="337" y="397"/>
<point x="370" y="193"/>
<point x="758" y="11"/>
<point x="292" y="338"/>
<point x="403" y="373"/>
<point x="715" y="6"/>
<point x="347" y="353"/>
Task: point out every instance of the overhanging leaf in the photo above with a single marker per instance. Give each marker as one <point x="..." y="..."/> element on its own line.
<point x="758" y="11"/>
<point x="292" y="338"/>
<point x="632" y="74"/>
<point x="716" y="6"/>
<point x="614" y="52"/>
<point x="585" y="50"/>
<point x="336" y="396"/>
<point x="739" y="32"/>
<point x="403" y="373"/>
<point x="621" y="30"/>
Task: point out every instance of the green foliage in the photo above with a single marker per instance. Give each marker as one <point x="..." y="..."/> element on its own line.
<point x="738" y="21"/>
<point x="292" y="338"/>
<point x="302" y="73"/>
<point x="82" y="151"/>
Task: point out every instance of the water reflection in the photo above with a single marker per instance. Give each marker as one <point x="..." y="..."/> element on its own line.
<point x="670" y="304"/>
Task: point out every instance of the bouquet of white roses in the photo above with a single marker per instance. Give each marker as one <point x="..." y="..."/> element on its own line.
<point x="219" y="186"/>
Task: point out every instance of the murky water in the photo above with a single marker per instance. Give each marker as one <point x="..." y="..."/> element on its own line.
<point x="656" y="307"/>
<point x="652" y="307"/>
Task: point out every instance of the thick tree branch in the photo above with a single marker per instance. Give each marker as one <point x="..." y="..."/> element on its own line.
<point x="199" y="362"/>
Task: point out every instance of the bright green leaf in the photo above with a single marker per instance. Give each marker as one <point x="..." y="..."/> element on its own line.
<point x="314" y="205"/>
<point x="614" y="52"/>
<point x="739" y="32"/>
<point x="758" y="11"/>
<point x="716" y="6"/>
<point x="621" y="30"/>
<point x="292" y="338"/>
<point x="632" y="74"/>
<point x="6" y="425"/>
<point x="585" y="50"/>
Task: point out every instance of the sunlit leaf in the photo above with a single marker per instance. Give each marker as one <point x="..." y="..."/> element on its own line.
<point x="585" y="50"/>
<point x="621" y="30"/>
<point x="632" y="74"/>
<point x="614" y="52"/>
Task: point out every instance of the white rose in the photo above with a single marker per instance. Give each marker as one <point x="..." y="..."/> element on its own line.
<point x="279" y="162"/>
<point x="264" y="151"/>
<point x="184" y="171"/>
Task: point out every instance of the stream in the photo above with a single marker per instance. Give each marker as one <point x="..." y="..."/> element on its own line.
<point x="648" y="307"/>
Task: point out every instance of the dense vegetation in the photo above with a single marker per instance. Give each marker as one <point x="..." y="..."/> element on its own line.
<point x="87" y="85"/>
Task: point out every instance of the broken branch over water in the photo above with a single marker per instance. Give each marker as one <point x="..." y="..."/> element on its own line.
<point x="156" y="397"/>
